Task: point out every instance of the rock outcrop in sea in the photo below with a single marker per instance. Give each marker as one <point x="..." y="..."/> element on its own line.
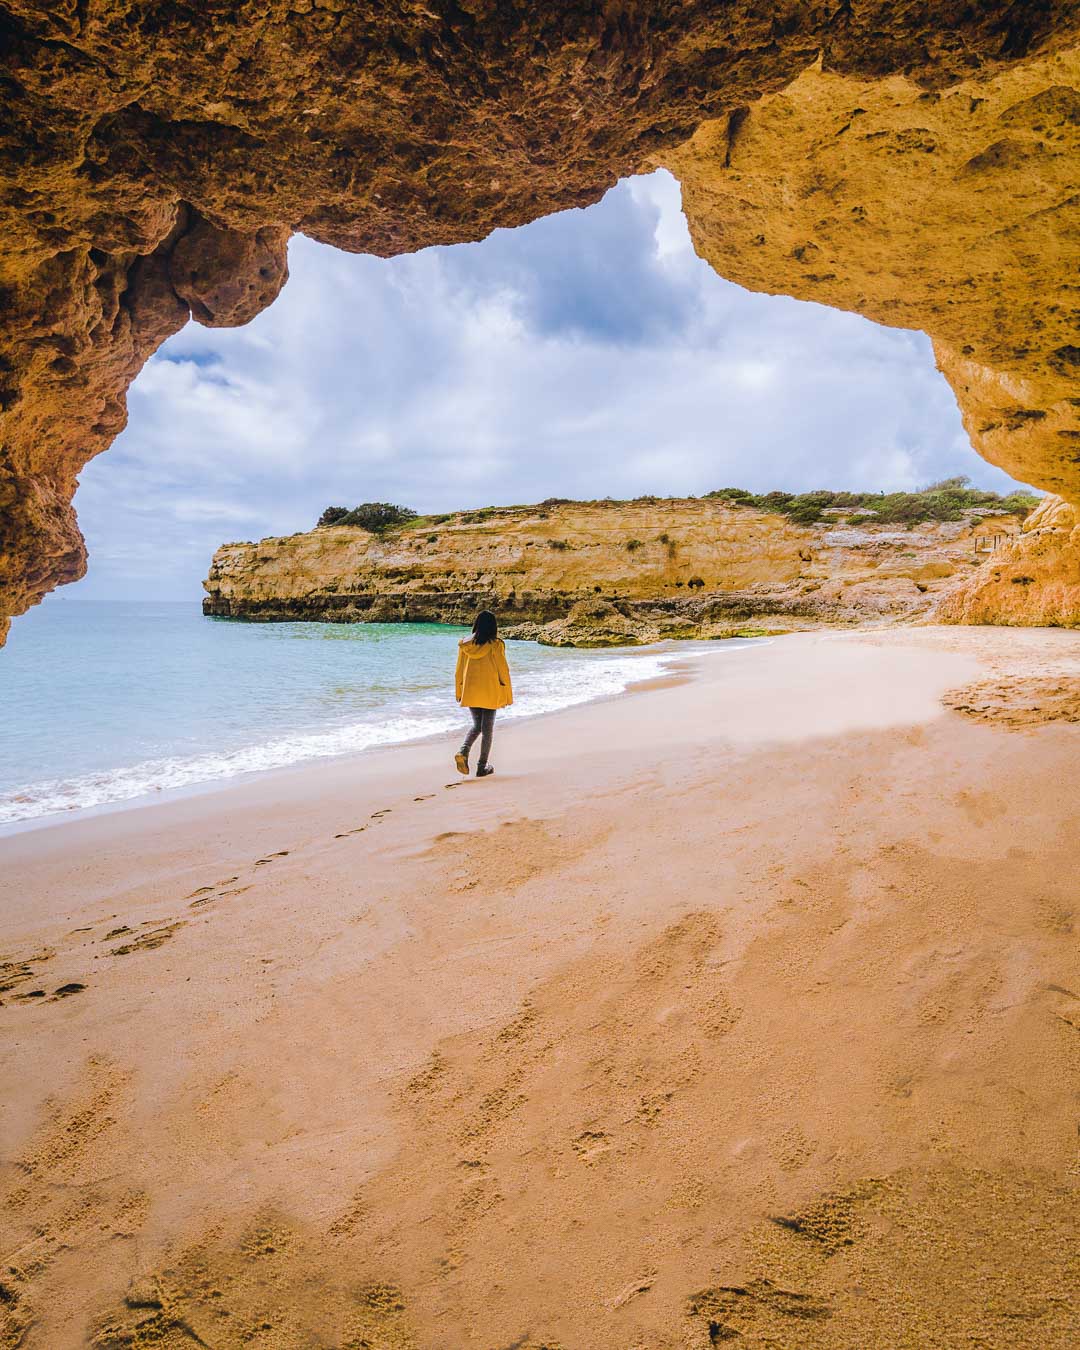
<point x="914" y="163"/>
<point x="611" y="573"/>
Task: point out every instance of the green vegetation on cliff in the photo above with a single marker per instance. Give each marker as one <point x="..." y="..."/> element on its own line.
<point x="951" y="499"/>
<point x="373" y="516"/>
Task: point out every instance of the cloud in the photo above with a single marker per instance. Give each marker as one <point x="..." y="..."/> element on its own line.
<point x="589" y="354"/>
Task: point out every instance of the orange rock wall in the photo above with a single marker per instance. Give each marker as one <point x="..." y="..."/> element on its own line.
<point x="535" y="563"/>
<point x="157" y="156"/>
<point x="1033" y="579"/>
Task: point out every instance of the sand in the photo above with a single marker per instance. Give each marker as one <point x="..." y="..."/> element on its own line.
<point x="740" y="1009"/>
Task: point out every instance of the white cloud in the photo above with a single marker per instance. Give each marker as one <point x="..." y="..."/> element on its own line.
<point x="588" y="354"/>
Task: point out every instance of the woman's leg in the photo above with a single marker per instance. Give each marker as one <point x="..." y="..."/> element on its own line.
<point x="487" y="728"/>
<point x="474" y="731"/>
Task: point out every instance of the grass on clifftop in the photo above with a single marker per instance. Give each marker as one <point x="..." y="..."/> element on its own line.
<point x="951" y="499"/>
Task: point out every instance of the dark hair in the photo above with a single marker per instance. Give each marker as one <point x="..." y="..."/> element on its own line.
<point x="485" y="628"/>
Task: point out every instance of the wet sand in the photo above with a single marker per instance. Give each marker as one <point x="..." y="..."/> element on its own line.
<point x="744" y="1008"/>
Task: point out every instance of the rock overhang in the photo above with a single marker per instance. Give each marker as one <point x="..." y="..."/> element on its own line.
<point x="159" y="155"/>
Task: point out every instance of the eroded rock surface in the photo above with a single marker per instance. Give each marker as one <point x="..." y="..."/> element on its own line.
<point x="953" y="210"/>
<point x="609" y="573"/>
<point x="1033" y="578"/>
<point x="157" y="156"/>
<point x="1019" y="702"/>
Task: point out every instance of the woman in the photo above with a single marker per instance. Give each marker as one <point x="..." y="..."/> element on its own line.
<point x="483" y="686"/>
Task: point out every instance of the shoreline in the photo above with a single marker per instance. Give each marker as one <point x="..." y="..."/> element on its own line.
<point x="671" y="654"/>
<point x="368" y="1051"/>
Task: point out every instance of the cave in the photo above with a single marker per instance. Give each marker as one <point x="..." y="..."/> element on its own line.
<point x="749" y="1017"/>
<point x="916" y="166"/>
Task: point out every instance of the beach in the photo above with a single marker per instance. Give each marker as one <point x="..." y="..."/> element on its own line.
<point x="159" y="700"/>
<point x="743" y="1006"/>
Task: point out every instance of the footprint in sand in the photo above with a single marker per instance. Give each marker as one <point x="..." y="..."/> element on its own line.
<point x="377" y="815"/>
<point x="209" y="890"/>
<point x="66" y="990"/>
<point x="591" y="1145"/>
<point x="14" y="973"/>
<point x="283" y="853"/>
<point x="147" y="942"/>
<point x="345" y="833"/>
<point x="425" y="798"/>
<point x="215" y="895"/>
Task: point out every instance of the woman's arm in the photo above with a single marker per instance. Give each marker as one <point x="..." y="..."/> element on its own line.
<point x="503" y="668"/>
<point x="459" y="675"/>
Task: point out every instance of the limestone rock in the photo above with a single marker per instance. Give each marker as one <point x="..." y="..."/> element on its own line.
<point x="695" y="567"/>
<point x="910" y="162"/>
<point x="1032" y="579"/>
<point x="595" y="623"/>
<point x="227" y="277"/>
<point x="1019" y="702"/>
<point x="954" y="210"/>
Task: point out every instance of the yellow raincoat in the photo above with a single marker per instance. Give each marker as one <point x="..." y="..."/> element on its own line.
<point x="483" y="677"/>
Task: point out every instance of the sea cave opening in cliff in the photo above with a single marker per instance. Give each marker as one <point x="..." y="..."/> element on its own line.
<point x="588" y="354"/>
<point x="549" y="818"/>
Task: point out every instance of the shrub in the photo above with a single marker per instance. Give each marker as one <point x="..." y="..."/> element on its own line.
<point x="632" y="545"/>
<point x="804" y="513"/>
<point x="664" y="538"/>
<point x="560" y="544"/>
<point x="556" y="501"/>
<point x="332" y="515"/>
<point x="1020" y="503"/>
<point x="730" y="494"/>
<point x="377" y="516"/>
<point x="949" y="499"/>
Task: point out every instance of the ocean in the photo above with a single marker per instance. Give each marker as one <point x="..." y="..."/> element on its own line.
<point x="110" y="703"/>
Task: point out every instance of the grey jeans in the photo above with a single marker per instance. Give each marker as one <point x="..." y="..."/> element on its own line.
<point x="483" y="725"/>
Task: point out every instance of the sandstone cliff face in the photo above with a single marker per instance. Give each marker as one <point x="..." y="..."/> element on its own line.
<point x="157" y="157"/>
<point x="900" y="203"/>
<point x="677" y="568"/>
<point x="1034" y="578"/>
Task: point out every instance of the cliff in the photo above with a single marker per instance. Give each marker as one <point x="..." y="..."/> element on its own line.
<point x="1034" y="578"/>
<point x="876" y="195"/>
<point x="630" y="571"/>
<point x="914" y="163"/>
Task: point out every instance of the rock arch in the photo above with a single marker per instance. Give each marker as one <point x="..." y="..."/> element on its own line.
<point x="915" y="163"/>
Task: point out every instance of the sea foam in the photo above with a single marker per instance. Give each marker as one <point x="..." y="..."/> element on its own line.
<point x="539" y="688"/>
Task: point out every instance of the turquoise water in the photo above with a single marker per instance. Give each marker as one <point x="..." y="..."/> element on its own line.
<point x="111" y="702"/>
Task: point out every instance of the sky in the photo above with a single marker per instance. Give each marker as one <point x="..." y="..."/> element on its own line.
<point x="589" y="354"/>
